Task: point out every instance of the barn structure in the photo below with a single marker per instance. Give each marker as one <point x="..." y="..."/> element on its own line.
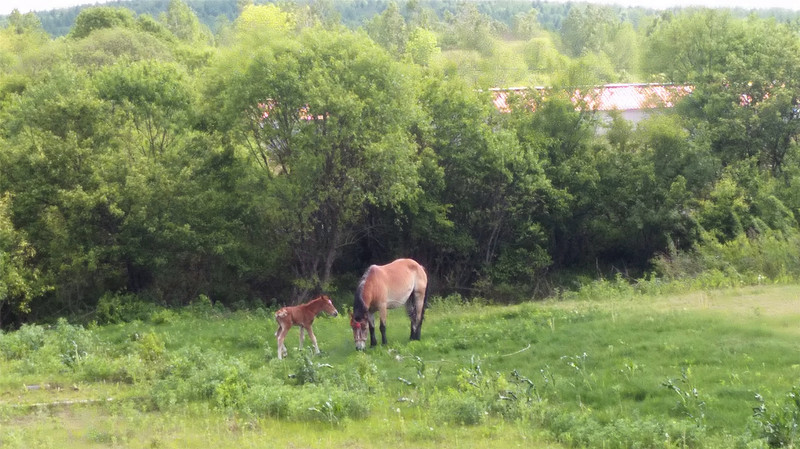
<point x="633" y="101"/>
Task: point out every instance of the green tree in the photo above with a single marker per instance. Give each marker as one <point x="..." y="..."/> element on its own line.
<point x="589" y="29"/>
<point x="20" y="283"/>
<point x="19" y="23"/>
<point x="745" y="84"/>
<point x="327" y="120"/>
<point x="262" y="22"/>
<point x="20" y="40"/>
<point x="468" y="29"/>
<point x="492" y="189"/>
<point x="693" y="46"/>
<point x="154" y="100"/>
<point x="562" y="137"/>
<point x="422" y="46"/>
<point x="183" y="23"/>
<point x="526" y="25"/>
<point x="389" y="30"/>
<point x="100" y="17"/>
<point x="110" y="45"/>
<point x="56" y="133"/>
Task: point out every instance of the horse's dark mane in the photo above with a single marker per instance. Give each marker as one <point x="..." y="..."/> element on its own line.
<point x="359" y="308"/>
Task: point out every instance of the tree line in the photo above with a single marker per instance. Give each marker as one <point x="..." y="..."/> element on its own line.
<point x="151" y="159"/>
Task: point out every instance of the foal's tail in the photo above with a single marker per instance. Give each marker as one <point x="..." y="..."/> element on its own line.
<point x="277" y="320"/>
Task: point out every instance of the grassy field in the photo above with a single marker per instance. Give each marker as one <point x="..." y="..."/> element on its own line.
<point x="664" y="371"/>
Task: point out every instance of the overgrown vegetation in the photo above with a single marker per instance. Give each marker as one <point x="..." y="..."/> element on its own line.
<point x="146" y="161"/>
<point x="163" y="187"/>
<point x="620" y="372"/>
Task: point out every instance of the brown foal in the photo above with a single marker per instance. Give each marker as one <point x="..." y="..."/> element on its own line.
<point x="303" y="316"/>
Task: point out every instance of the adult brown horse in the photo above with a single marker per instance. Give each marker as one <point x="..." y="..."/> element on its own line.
<point x="402" y="282"/>
<point x="303" y="316"/>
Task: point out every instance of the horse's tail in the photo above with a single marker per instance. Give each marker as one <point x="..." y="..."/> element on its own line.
<point x="424" y="304"/>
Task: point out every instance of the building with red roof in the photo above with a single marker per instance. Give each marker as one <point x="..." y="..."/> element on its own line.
<point x="633" y="101"/>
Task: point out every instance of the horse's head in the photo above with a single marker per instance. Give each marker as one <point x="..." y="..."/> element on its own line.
<point x="359" y="331"/>
<point x="328" y="307"/>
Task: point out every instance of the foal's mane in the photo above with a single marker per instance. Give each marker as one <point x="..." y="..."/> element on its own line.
<point x="359" y="308"/>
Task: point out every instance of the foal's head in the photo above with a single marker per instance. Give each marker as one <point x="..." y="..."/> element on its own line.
<point x="327" y="305"/>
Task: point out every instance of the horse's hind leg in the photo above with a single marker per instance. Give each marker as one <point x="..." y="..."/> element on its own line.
<point x="416" y="313"/>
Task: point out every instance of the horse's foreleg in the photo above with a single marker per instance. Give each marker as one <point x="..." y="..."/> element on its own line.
<point x="383" y="325"/>
<point x="301" y="337"/>
<point x="372" y="340"/>
<point x="313" y="338"/>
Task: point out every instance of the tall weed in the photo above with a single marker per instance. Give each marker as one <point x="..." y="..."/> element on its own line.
<point x="779" y="425"/>
<point x="767" y="256"/>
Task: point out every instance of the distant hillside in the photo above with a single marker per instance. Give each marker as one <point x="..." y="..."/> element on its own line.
<point x="354" y="13"/>
<point x="58" y="22"/>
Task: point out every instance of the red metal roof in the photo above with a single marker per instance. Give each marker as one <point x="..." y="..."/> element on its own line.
<point x="622" y="97"/>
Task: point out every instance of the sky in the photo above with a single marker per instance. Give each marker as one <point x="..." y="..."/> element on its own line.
<point x="6" y="6"/>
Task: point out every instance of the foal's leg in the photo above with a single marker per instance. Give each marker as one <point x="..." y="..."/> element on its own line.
<point x="313" y="338"/>
<point x="277" y="336"/>
<point x="301" y="336"/>
<point x="281" y="348"/>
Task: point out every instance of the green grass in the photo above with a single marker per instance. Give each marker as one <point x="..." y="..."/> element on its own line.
<point x="636" y="371"/>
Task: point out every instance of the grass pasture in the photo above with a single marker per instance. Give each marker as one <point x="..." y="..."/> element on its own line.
<point x="638" y="372"/>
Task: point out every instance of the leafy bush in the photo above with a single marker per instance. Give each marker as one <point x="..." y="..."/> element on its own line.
<point x="748" y="259"/>
<point x="603" y="289"/>
<point x="584" y="430"/>
<point x="269" y="400"/>
<point x="163" y="316"/>
<point x="193" y="375"/>
<point x="98" y="368"/>
<point x="23" y="342"/>
<point x="121" y="308"/>
<point x="456" y="408"/>
<point x="328" y="404"/>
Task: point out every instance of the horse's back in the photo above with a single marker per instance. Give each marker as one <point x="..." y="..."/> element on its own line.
<point x="394" y="282"/>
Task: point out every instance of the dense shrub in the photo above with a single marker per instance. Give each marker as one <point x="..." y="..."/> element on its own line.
<point x="452" y="407"/>
<point x="747" y="259"/>
<point x="583" y="430"/>
<point x="23" y="342"/>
